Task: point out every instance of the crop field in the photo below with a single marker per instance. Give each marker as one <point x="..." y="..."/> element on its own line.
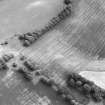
<point x="72" y="42"/>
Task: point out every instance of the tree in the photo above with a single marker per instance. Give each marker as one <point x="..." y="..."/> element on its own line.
<point x="87" y="88"/>
<point x="79" y="83"/>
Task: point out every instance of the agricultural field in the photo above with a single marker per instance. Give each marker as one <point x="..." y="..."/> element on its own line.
<point x="52" y="52"/>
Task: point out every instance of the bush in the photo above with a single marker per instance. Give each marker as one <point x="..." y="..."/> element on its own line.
<point x="68" y="98"/>
<point x="86" y="88"/>
<point x="6" y="57"/>
<point x="77" y="76"/>
<point x="69" y="76"/>
<point x="29" y="65"/>
<point x="59" y="91"/>
<point x="79" y="83"/>
<point x="96" y="97"/>
<point x="67" y="2"/>
<point x="24" y="74"/>
<point x="72" y="82"/>
<point x="45" y="81"/>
